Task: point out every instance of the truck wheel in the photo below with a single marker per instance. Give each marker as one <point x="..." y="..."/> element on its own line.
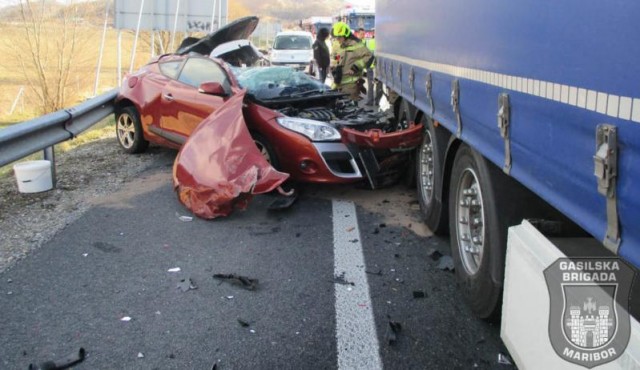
<point x="478" y="236"/>
<point x="129" y="131"/>
<point x="429" y="163"/>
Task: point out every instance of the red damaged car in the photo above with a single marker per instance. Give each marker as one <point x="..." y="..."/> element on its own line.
<point x="300" y="126"/>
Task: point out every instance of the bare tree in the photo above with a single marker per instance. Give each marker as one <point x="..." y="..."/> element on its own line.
<point x="47" y="50"/>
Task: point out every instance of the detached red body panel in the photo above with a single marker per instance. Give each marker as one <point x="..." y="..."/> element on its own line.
<point x="219" y="167"/>
<point x="377" y="139"/>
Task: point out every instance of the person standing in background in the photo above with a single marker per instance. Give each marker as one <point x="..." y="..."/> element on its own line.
<point x="321" y="53"/>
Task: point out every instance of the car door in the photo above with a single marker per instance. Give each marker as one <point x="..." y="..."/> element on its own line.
<point x="183" y="106"/>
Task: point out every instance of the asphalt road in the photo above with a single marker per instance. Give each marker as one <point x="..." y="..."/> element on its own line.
<point x="310" y="310"/>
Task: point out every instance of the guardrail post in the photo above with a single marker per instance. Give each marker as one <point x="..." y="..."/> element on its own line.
<point x="50" y="155"/>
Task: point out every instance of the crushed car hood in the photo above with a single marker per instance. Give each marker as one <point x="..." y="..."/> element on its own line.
<point x="219" y="167"/>
<point x="237" y="30"/>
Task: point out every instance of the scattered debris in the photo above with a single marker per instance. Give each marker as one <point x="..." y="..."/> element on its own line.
<point x="140" y="355"/>
<point x="174" y="269"/>
<point x="340" y="279"/>
<point x="285" y="201"/>
<point x="9" y="281"/>
<point x="397" y="255"/>
<point x="385" y="201"/>
<point x="399" y="280"/>
<point x="243" y="281"/>
<point x="106" y="247"/>
<point x="481" y="340"/>
<point x="63" y="363"/>
<point x="392" y="331"/>
<point x="504" y="359"/>
<point x="418" y="294"/>
<point x="379" y="272"/>
<point x="298" y="235"/>
<point x="383" y="225"/>
<point x="244" y="324"/>
<point x="376" y="231"/>
<point x="434" y="254"/>
<point x="229" y="297"/>
<point x="126" y="318"/>
<point x="252" y="331"/>
<point x="184" y="218"/>
<point x="351" y="229"/>
<point x="186" y="284"/>
<point x="85" y="254"/>
<point x="353" y="240"/>
<point x="446" y="263"/>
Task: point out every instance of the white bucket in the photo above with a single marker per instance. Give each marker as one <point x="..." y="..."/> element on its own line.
<point x="33" y="176"/>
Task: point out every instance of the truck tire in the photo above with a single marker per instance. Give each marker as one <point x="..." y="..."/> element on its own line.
<point x="429" y="171"/>
<point x="478" y="232"/>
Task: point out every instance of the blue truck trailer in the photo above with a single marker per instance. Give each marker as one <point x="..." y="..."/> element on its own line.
<point x="522" y="101"/>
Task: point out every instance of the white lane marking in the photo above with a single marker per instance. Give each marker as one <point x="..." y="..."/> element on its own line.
<point x="357" y="339"/>
<point x="596" y="101"/>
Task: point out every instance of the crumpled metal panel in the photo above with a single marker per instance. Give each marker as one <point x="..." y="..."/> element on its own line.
<point x="219" y="167"/>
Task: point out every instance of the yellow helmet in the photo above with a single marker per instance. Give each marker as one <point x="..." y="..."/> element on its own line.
<point x="340" y="29"/>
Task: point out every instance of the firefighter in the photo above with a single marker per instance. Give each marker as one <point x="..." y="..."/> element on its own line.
<point x="353" y="59"/>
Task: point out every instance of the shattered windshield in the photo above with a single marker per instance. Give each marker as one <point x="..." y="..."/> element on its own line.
<point x="267" y="83"/>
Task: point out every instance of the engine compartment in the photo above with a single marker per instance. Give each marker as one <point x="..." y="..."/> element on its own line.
<point x="343" y="113"/>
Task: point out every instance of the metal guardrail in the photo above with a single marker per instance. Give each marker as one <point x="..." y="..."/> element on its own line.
<point x="42" y="133"/>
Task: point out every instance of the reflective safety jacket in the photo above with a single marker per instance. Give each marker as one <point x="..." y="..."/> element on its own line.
<point x="353" y="59"/>
<point x="371" y="45"/>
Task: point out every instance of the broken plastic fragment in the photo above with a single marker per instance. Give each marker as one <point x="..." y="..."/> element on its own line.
<point x="417" y="294"/>
<point x="504" y="359"/>
<point x="243" y="323"/>
<point x="184" y="218"/>
<point x="392" y="331"/>
<point x="434" y="254"/>
<point x="186" y="285"/>
<point x="446" y="263"/>
<point x="64" y="363"/>
<point x="242" y="281"/>
<point x="126" y="318"/>
<point x="340" y="279"/>
<point x="85" y="254"/>
<point x="174" y="269"/>
<point x="140" y="355"/>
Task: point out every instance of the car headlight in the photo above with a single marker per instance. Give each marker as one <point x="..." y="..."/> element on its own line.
<point x="314" y="130"/>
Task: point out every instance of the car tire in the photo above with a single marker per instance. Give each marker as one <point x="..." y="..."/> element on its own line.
<point x="265" y="148"/>
<point x="478" y="232"/>
<point x="129" y="131"/>
<point x="429" y="165"/>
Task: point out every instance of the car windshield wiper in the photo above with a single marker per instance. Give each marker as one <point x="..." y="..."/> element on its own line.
<point x="307" y="93"/>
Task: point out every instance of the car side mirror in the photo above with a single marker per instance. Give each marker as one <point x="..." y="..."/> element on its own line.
<point x="212" y="88"/>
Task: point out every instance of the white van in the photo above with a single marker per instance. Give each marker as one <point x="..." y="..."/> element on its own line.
<point x="292" y="48"/>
